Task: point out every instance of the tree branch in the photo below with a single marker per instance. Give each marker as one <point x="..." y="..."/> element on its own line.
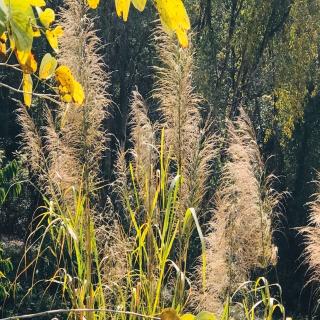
<point x="54" y="312"/>
<point x="40" y="95"/>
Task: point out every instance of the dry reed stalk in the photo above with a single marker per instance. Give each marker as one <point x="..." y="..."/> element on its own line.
<point x="240" y="239"/>
<point x="193" y="144"/>
<point x="311" y="234"/>
<point x="144" y="150"/>
<point x="72" y="139"/>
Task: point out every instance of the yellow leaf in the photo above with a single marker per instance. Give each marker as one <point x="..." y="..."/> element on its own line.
<point x="78" y="93"/>
<point x="12" y="43"/>
<point x="27" y="89"/>
<point x="63" y="89"/>
<point x="174" y="18"/>
<point x="169" y="314"/>
<point x="187" y="316"/>
<point x="52" y="36"/>
<point x="31" y="65"/>
<point x="3" y="38"/>
<point x="64" y="77"/>
<point x="93" y="3"/>
<point x="27" y="61"/>
<point x="122" y="8"/>
<point x="46" y="17"/>
<point x="47" y="67"/>
<point x="22" y="56"/>
<point x="67" y="98"/>
<point x="205" y="315"/>
<point x="37" y="3"/>
<point x="68" y="86"/>
<point x="139" y="4"/>
<point x="36" y="33"/>
<point x="3" y="45"/>
<point x="183" y="38"/>
<point x="3" y="49"/>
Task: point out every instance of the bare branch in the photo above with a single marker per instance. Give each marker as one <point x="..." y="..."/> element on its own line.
<point x="54" y="312"/>
<point x="40" y="95"/>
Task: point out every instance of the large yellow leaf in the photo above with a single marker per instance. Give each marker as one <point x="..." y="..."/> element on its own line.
<point x="174" y="18"/>
<point x="93" y="3"/>
<point x="47" y="67"/>
<point x="37" y="3"/>
<point x="122" y="8"/>
<point x="20" y="18"/>
<point x="139" y="4"/>
<point x="52" y="36"/>
<point x="46" y="17"/>
<point x="27" y="89"/>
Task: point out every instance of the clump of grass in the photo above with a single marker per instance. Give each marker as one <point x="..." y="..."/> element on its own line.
<point x="191" y="140"/>
<point x="311" y="234"/>
<point x="153" y="266"/>
<point x="242" y="226"/>
<point x="255" y="300"/>
<point x="161" y="184"/>
<point x="64" y="153"/>
<point x="5" y="267"/>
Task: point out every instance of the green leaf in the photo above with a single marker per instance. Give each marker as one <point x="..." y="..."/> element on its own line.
<point x="3" y="16"/>
<point x="203" y="246"/>
<point x="20" y="19"/>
